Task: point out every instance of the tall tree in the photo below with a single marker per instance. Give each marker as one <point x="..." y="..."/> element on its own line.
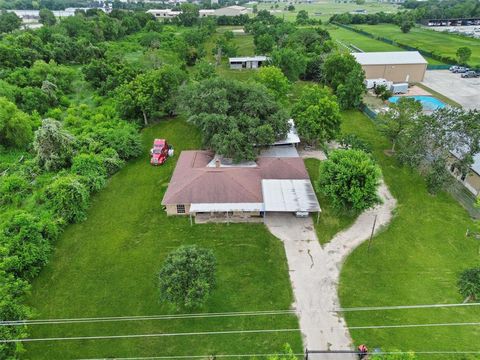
<point x="292" y="63"/>
<point x="317" y="115"/>
<point x="274" y="80"/>
<point x="399" y="117"/>
<point x="47" y="17"/>
<point x="345" y="76"/>
<point x="9" y="21"/>
<point x="463" y="54"/>
<point x="234" y="116"/>
<point x="150" y="93"/>
<point x="302" y="17"/>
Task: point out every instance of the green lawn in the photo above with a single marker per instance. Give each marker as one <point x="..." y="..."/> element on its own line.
<point x="107" y="266"/>
<point x="245" y="45"/>
<point x="365" y="43"/>
<point x="416" y="260"/>
<point x="324" y="9"/>
<point x="330" y="222"/>
<point x="429" y="40"/>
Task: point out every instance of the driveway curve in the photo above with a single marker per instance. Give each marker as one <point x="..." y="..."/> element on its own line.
<point x="315" y="271"/>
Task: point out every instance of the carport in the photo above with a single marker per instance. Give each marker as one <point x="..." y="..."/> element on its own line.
<point x="289" y="196"/>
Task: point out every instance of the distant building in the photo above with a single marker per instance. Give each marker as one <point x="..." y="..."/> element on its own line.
<point x="247" y="62"/>
<point x="234" y="10"/>
<point x="206" y="12"/>
<point x="396" y="66"/>
<point x="164" y="13"/>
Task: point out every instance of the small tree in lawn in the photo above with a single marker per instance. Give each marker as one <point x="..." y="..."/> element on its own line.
<point x="317" y="115"/>
<point x="398" y="118"/>
<point x="187" y="277"/>
<point x="350" y="178"/>
<point x="463" y="54"/>
<point x="406" y="26"/>
<point x="469" y="284"/>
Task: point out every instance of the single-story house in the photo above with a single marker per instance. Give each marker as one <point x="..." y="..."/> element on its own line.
<point x="247" y="62"/>
<point x="164" y="13"/>
<point x="209" y="189"/>
<point x="396" y="66"/>
<point x="470" y="180"/>
<point x="233" y="10"/>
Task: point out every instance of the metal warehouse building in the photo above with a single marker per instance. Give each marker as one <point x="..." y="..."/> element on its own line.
<point x="396" y="66"/>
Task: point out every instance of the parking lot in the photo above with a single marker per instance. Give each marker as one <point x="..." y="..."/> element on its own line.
<point x="466" y="92"/>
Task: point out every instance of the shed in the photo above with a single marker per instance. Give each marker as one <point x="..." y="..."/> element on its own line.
<point x="396" y="66"/>
<point x="247" y="62"/>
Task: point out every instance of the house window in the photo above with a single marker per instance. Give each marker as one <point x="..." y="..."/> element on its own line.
<point x="463" y="177"/>
<point x="181" y="209"/>
<point x="452" y="168"/>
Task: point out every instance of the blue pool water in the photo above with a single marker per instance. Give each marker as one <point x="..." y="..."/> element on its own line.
<point x="429" y="103"/>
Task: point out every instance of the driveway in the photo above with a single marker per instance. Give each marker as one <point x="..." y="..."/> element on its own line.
<point x="315" y="271"/>
<point x="466" y="92"/>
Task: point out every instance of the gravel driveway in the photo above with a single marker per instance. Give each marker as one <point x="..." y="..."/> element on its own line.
<point x="315" y="271"/>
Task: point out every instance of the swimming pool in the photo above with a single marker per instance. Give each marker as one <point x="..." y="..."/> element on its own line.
<point x="429" y="103"/>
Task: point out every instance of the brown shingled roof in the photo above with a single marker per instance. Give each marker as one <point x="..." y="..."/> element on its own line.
<point x="194" y="182"/>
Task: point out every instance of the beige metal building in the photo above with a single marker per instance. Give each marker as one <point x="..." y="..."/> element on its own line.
<point x="396" y="66"/>
<point x="470" y="180"/>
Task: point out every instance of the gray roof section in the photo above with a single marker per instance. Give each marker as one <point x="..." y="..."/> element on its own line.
<point x="280" y="151"/>
<point x="289" y="196"/>
<point x="389" y="58"/>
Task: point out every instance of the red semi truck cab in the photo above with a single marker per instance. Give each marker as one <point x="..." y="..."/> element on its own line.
<point x="159" y="152"/>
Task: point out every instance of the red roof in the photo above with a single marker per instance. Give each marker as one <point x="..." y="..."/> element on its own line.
<point x="194" y="182"/>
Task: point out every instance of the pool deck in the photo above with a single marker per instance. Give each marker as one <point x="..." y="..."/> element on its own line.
<point x="415" y="91"/>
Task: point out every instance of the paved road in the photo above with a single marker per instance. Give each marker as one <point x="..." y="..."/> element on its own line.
<point x="315" y="272"/>
<point x="466" y="92"/>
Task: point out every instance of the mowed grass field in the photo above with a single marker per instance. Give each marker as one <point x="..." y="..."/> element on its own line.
<point x="108" y="265"/>
<point x="416" y="260"/>
<point x="325" y="9"/>
<point x="364" y="43"/>
<point x="429" y="40"/>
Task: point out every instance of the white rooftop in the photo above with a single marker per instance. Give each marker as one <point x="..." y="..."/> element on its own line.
<point x="288" y="150"/>
<point x="248" y="58"/>
<point x="289" y="196"/>
<point x="476" y="163"/>
<point x="389" y="57"/>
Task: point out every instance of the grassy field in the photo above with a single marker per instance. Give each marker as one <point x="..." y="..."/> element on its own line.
<point x="330" y="222"/>
<point x="416" y="260"/>
<point x="324" y="9"/>
<point x="429" y="40"/>
<point x="348" y="38"/>
<point x="107" y="266"/>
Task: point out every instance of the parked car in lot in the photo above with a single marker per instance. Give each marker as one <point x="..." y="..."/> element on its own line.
<point x="461" y="70"/>
<point x="470" y="74"/>
<point x="453" y="68"/>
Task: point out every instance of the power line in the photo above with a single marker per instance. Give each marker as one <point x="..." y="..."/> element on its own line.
<point x="399" y="307"/>
<point x="295" y="354"/>
<point x="102" y="337"/>
<point x="193" y="356"/>
<point x="146" y="317"/>
<point x="411" y="326"/>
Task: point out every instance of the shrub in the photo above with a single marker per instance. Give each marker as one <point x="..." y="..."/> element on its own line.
<point x="25" y="240"/>
<point x="54" y="145"/>
<point x="67" y="198"/>
<point x="352" y="141"/>
<point x="13" y="188"/>
<point x="469" y="283"/>
<point x="350" y="179"/>
<point x="111" y="161"/>
<point x="91" y="169"/>
<point x="188" y="276"/>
